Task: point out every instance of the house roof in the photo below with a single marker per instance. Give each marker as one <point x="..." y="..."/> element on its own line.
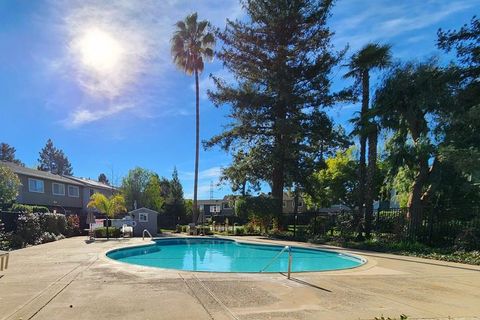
<point x="212" y="201"/>
<point x="39" y="174"/>
<point x="143" y="210"/>
<point x="93" y="183"/>
<point x="55" y="177"/>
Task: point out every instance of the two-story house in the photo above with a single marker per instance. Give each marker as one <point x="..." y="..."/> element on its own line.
<point x="289" y="204"/>
<point x="216" y="207"/>
<point x="64" y="194"/>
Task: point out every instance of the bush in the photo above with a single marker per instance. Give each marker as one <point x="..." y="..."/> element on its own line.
<point x="284" y="235"/>
<point x="73" y="226"/>
<point x="29" y="229"/>
<point x="23" y="208"/>
<point x="239" y="231"/>
<point x="53" y="223"/>
<point x="112" y="232"/>
<point x="50" y="237"/>
<point x="469" y="239"/>
<point x="250" y="228"/>
<point x="346" y="226"/>
<point x="184" y="228"/>
<point x="178" y="228"/>
<point x="4" y="238"/>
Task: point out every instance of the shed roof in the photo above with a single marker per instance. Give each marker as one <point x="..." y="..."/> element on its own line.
<point x="140" y="210"/>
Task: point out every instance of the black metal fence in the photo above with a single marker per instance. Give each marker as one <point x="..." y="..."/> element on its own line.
<point x="434" y="226"/>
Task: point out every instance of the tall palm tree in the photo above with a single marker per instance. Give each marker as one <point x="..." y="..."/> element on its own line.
<point x="371" y="56"/>
<point x="108" y="206"/>
<point x="191" y="44"/>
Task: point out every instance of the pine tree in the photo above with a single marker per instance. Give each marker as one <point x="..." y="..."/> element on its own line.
<point x="54" y="160"/>
<point x="7" y="153"/>
<point x="175" y="202"/>
<point x="281" y="58"/>
<point x="103" y="179"/>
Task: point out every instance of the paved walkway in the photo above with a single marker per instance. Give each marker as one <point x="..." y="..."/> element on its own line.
<point x="71" y="279"/>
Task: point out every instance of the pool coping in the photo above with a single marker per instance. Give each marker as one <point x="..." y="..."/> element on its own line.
<point x="365" y="265"/>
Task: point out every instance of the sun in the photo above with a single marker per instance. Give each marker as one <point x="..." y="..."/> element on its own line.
<point x="99" y="50"/>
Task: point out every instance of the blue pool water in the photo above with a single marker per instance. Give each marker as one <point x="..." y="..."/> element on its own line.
<point x="225" y="255"/>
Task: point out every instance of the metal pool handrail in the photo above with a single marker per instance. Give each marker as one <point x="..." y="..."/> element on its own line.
<point x="143" y="234"/>
<point x="275" y="258"/>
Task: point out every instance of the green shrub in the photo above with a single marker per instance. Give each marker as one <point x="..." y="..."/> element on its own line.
<point x="23" y="208"/>
<point x="278" y="234"/>
<point x="112" y="232"/>
<point x="53" y="223"/>
<point x="250" y="228"/>
<point x="469" y="239"/>
<point x="29" y="228"/>
<point x="178" y="228"/>
<point x="239" y="231"/>
<point x="4" y="238"/>
<point x="184" y="228"/>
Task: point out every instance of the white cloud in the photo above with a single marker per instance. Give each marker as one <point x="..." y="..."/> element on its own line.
<point x="83" y="116"/>
<point x="380" y="22"/>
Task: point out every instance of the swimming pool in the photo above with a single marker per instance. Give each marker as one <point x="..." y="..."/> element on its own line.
<point x="226" y="255"/>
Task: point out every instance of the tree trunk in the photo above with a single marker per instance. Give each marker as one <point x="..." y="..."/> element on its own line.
<point x="277" y="188"/>
<point x="370" y="183"/>
<point x="415" y="198"/>
<point x="363" y="148"/>
<point x="244" y="188"/>
<point x="197" y="142"/>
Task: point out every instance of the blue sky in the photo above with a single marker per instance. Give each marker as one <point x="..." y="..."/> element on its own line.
<point x="112" y="112"/>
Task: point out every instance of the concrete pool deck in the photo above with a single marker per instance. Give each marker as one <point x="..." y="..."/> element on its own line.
<point x="72" y="279"/>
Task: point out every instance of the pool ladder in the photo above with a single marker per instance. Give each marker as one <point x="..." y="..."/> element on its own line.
<point x="278" y="255"/>
<point x="147" y="232"/>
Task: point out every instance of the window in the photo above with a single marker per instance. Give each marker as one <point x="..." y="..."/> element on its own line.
<point x="35" y="185"/>
<point x="92" y="192"/>
<point x="73" y="191"/>
<point x="214" y="208"/>
<point x="300" y="204"/>
<point x="143" y="217"/>
<point x="284" y="204"/>
<point x="58" y="189"/>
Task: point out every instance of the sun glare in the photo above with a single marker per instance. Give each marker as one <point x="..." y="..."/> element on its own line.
<point x="99" y="50"/>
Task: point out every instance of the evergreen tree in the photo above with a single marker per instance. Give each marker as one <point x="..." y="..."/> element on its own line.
<point x="103" y="179"/>
<point x="54" y="160"/>
<point x="7" y="153"/>
<point x="281" y="58"/>
<point x="175" y="205"/>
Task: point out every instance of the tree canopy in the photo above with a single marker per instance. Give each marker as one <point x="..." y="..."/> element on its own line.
<point x="7" y="153"/>
<point x="54" y="160"/>
<point x="281" y="58"/>
<point x="9" y="186"/>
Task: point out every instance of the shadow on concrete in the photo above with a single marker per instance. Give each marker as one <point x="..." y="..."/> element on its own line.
<point x="306" y="283"/>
